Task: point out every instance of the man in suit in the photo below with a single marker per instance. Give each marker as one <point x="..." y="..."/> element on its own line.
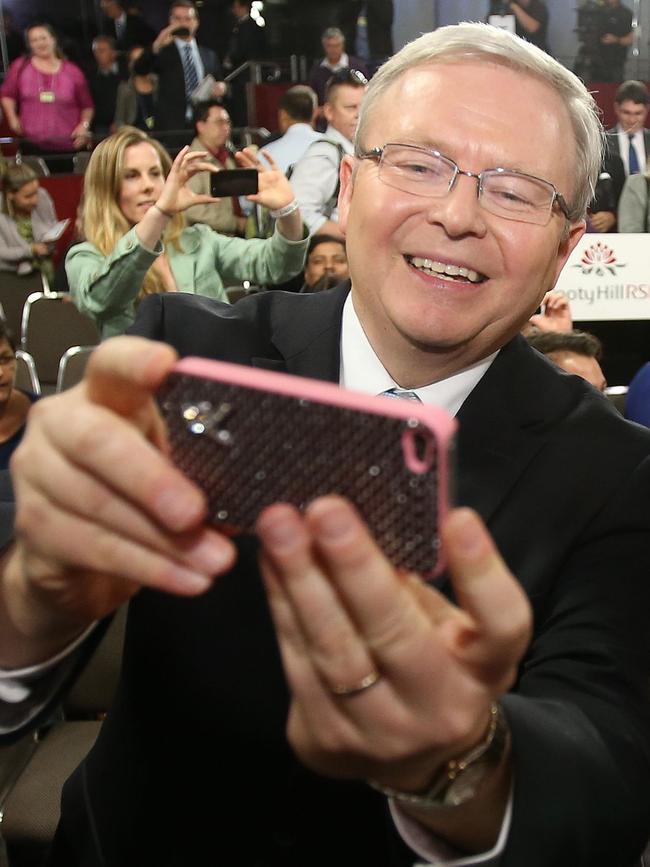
<point x="103" y="80"/>
<point x="124" y="27"/>
<point x="378" y="18"/>
<point x="181" y="64"/>
<point x="247" y="42"/>
<point x="629" y="139"/>
<point x="439" y="695"/>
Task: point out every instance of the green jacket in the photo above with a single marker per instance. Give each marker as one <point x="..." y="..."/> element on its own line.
<point x="106" y="287"/>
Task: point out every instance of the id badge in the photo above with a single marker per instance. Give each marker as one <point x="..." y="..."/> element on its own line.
<point x="46" y="96"/>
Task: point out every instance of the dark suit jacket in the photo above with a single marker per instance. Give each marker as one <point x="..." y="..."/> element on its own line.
<point x="137" y="32"/>
<point x="612" y="142"/>
<point x="171" y="105"/>
<point x="192" y="766"/>
<point x="379" y="14"/>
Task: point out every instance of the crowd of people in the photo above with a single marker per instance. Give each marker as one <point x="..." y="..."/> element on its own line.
<point x="312" y="703"/>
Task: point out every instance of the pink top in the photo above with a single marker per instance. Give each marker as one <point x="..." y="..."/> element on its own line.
<point x="47" y="120"/>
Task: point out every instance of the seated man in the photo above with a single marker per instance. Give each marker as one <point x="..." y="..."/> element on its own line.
<point x="328" y="709"/>
<point x="576" y="352"/>
<point x="326" y="263"/>
<point x="212" y="124"/>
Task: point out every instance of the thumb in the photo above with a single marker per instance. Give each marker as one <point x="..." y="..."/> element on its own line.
<point x="123" y="374"/>
<point x="490" y="595"/>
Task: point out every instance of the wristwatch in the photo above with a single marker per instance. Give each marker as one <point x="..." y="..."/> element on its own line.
<point x="462" y="777"/>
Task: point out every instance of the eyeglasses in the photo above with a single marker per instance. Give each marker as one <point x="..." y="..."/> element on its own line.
<point x="503" y="192"/>
<point x="347" y="76"/>
<point x="7" y="360"/>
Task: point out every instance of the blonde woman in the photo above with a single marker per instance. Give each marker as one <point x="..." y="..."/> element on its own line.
<point x="136" y="241"/>
<point x="26" y="214"/>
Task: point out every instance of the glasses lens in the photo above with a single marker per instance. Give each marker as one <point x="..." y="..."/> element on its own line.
<point x="518" y="197"/>
<point x="415" y="170"/>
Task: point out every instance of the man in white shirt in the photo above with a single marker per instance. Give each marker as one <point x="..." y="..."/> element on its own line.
<point x="629" y="139"/>
<point x="505" y="718"/>
<point x="315" y="177"/>
<point x="296" y="123"/>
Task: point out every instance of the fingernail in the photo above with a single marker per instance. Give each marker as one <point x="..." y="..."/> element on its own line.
<point x="190" y="581"/>
<point x="334" y="524"/>
<point x="179" y="510"/>
<point x="277" y="527"/>
<point x="467" y="533"/>
<point x="210" y="555"/>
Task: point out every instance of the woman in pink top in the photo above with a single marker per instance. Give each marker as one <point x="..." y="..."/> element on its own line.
<point x="46" y="98"/>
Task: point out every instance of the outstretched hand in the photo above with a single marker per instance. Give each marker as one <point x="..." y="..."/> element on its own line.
<point x="389" y="679"/>
<point x="100" y="509"/>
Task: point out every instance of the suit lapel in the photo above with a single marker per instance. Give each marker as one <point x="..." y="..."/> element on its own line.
<point x="309" y="345"/>
<point x="502" y="425"/>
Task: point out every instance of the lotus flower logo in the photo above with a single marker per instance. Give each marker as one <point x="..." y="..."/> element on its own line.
<point x="600" y="260"/>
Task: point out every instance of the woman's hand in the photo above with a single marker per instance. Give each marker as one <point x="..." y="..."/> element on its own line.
<point x="274" y="189"/>
<point x="176" y="196"/>
<point x="80" y="135"/>
<point x="40" y="250"/>
<point x="16" y="126"/>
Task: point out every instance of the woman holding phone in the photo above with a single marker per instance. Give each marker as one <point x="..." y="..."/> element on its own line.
<point x="136" y="242"/>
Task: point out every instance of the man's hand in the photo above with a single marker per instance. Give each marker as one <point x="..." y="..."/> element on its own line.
<point x="603" y="221"/>
<point x="344" y="618"/>
<point x="556" y="315"/>
<point x="101" y="511"/>
<point x="165" y="37"/>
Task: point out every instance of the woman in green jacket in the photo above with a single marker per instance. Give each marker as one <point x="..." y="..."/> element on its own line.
<point x="136" y="242"/>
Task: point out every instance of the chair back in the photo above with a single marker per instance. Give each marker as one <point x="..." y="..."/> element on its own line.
<point x="14" y="291"/>
<point x="26" y="376"/>
<point x="51" y="325"/>
<point x="72" y="366"/>
<point x="37" y="164"/>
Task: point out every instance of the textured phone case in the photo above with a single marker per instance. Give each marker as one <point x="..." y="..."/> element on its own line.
<point x="250" y="438"/>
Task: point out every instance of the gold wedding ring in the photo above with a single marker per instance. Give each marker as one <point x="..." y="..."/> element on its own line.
<point x="363" y="684"/>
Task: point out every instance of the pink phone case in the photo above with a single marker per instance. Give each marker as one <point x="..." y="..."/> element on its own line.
<point x="252" y="437"/>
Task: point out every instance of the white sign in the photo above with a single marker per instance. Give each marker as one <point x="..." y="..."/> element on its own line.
<point x="608" y="277"/>
<point x="504" y="22"/>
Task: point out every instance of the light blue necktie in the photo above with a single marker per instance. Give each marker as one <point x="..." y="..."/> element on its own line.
<point x="633" y="157"/>
<point x="401" y="394"/>
<point x="189" y="71"/>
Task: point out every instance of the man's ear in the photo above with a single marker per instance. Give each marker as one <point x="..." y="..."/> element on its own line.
<point x="346" y="176"/>
<point x="567" y="246"/>
<point x="327" y="112"/>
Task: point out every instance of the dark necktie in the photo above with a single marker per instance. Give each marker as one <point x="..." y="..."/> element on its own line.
<point x="189" y="71"/>
<point x="401" y="394"/>
<point x="633" y="157"/>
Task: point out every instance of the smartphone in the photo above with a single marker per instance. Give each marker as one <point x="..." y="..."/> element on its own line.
<point x="181" y="32"/>
<point x="251" y="437"/>
<point x="233" y="182"/>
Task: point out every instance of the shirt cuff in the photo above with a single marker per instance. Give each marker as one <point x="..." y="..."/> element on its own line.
<point x="15" y="682"/>
<point x="436" y="851"/>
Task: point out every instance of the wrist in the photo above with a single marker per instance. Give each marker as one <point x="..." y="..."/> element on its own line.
<point x="165" y="213"/>
<point x="284" y="211"/>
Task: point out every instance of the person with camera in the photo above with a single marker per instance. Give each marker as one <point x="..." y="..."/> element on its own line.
<point x="615" y="35"/>
<point x="181" y="64"/>
<point x="137" y="243"/>
<point x="531" y="18"/>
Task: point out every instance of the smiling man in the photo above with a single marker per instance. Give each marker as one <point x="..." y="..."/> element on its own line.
<point x="365" y="717"/>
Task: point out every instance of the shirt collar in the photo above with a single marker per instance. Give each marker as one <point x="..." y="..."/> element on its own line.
<point x="344" y="61"/>
<point x="361" y="370"/>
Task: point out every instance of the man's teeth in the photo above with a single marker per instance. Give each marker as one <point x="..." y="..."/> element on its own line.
<point x="444" y="270"/>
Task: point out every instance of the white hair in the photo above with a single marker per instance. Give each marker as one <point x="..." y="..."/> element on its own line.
<point x="467" y="41"/>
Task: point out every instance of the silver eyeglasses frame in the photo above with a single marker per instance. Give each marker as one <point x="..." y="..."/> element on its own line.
<point x="377" y="154"/>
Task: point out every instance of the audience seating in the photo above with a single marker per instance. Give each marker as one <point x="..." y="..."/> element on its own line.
<point x="80" y="162"/>
<point x="26" y="375"/>
<point x="14" y="291"/>
<point x="30" y="803"/>
<point x="72" y="366"/>
<point x="51" y="324"/>
<point x="617" y="395"/>
<point x="37" y="164"/>
<point x="66" y="191"/>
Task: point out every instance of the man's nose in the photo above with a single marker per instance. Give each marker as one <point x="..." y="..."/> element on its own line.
<point x="459" y="211"/>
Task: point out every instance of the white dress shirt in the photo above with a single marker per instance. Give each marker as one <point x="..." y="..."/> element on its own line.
<point x="290" y="147"/>
<point x="315" y="177"/>
<point x="638" y="140"/>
